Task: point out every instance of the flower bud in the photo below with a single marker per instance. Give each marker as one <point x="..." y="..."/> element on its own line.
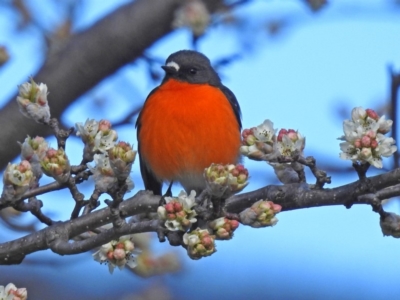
<point x="372" y="114"/>
<point x="17" y="179"/>
<point x="117" y="253"/>
<point x="224" y="180"/>
<point x="177" y="212"/>
<point x="56" y="164"/>
<point x="260" y="214"/>
<point x="199" y="243"/>
<point x="32" y="101"/>
<point x="223" y="228"/>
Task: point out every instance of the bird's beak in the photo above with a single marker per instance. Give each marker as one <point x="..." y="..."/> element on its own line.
<point x="170" y="70"/>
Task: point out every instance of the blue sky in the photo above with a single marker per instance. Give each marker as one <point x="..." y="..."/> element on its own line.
<point x="298" y="79"/>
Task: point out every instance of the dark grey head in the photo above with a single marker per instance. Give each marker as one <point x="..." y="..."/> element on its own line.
<point x="190" y="66"/>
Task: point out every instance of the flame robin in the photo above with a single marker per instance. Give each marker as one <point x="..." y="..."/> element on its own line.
<point x="188" y="122"/>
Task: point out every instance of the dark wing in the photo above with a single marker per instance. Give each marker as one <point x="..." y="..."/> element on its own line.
<point x="234" y="103"/>
<point x="151" y="183"/>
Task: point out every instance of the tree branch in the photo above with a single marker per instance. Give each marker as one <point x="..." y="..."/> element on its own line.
<point x="289" y="196"/>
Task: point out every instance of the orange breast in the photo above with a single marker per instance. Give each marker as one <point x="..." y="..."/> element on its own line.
<point x="186" y="127"/>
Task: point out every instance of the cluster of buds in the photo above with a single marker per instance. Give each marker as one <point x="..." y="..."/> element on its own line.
<point x="200" y="243"/>
<point x="98" y="137"/>
<point x="11" y="292"/>
<point x="390" y="225"/>
<point x="290" y="141"/>
<point x="260" y="214"/>
<point x="192" y="14"/>
<point x="32" y="101"/>
<point x="34" y="150"/>
<point x="177" y="212"/>
<point x="103" y="172"/>
<point x="224" y="180"/>
<point x="117" y="253"/>
<point x="364" y="137"/>
<point x="258" y="142"/>
<point x="223" y="228"/>
<point x="121" y="158"/>
<point x="261" y="143"/>
<point x="17" y="179"/>
<point x="56" y="164"/>
<point x="150" y="265"/>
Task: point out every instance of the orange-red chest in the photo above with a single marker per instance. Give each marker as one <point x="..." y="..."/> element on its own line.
<point x="186" y="127"/>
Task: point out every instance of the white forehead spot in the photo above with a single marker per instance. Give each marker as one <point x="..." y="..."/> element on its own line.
<point x="173" y="64"/>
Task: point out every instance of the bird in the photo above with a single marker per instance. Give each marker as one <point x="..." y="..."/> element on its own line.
<point x="188" y="122"/>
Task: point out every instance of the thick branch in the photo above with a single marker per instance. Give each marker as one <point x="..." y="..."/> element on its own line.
<point x="54" y="236"/>
<point x="290" y="196"/>
<point x="297" y="196"/>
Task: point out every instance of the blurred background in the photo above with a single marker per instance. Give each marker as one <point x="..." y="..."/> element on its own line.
<point x="304" y="64"/>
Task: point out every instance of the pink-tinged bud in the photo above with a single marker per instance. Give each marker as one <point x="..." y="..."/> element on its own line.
<point x="265" y="205"/>
<point x="177" y="206"/>
<point x="169" y="207"/>
<point x="104" y="125"/>
<point x="24" y="166"/>
<point x="372" y="114"/>
<point x="240" y="168"/>
<point x="276" y="208"/>
<point x="246" y="133"/>
<point x="120" y="245"/>
<point x="260" y="214"/>
<point x="281" y="133"/>
<point x="56" y="164"/>
<point x="365" y="141"/>
<point x="374" y="144"/>
<point x="292" y="135"/>
<point x="171" y="216"/>
<point x="234" y="224"/>
<point x="235" y="172"/>
<point x="119" y="253"/>
<point x="200" y="243"/>
<point x="371" y="134"/>
<point x="180" y="214"/>
<point x="223" y="228"/>
<point x="207" y="241"/>
<point x="357" y="143"/>
<point x="51" y="153"/>
<point x="17" y="179"/>
<point x="110" y="255"/>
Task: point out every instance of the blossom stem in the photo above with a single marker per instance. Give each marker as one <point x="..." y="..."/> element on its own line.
<point x="361" y="169"/>
<point x="60" y="134"/>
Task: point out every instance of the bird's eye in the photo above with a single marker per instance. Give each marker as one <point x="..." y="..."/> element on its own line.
<point x="193" y="71"/>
